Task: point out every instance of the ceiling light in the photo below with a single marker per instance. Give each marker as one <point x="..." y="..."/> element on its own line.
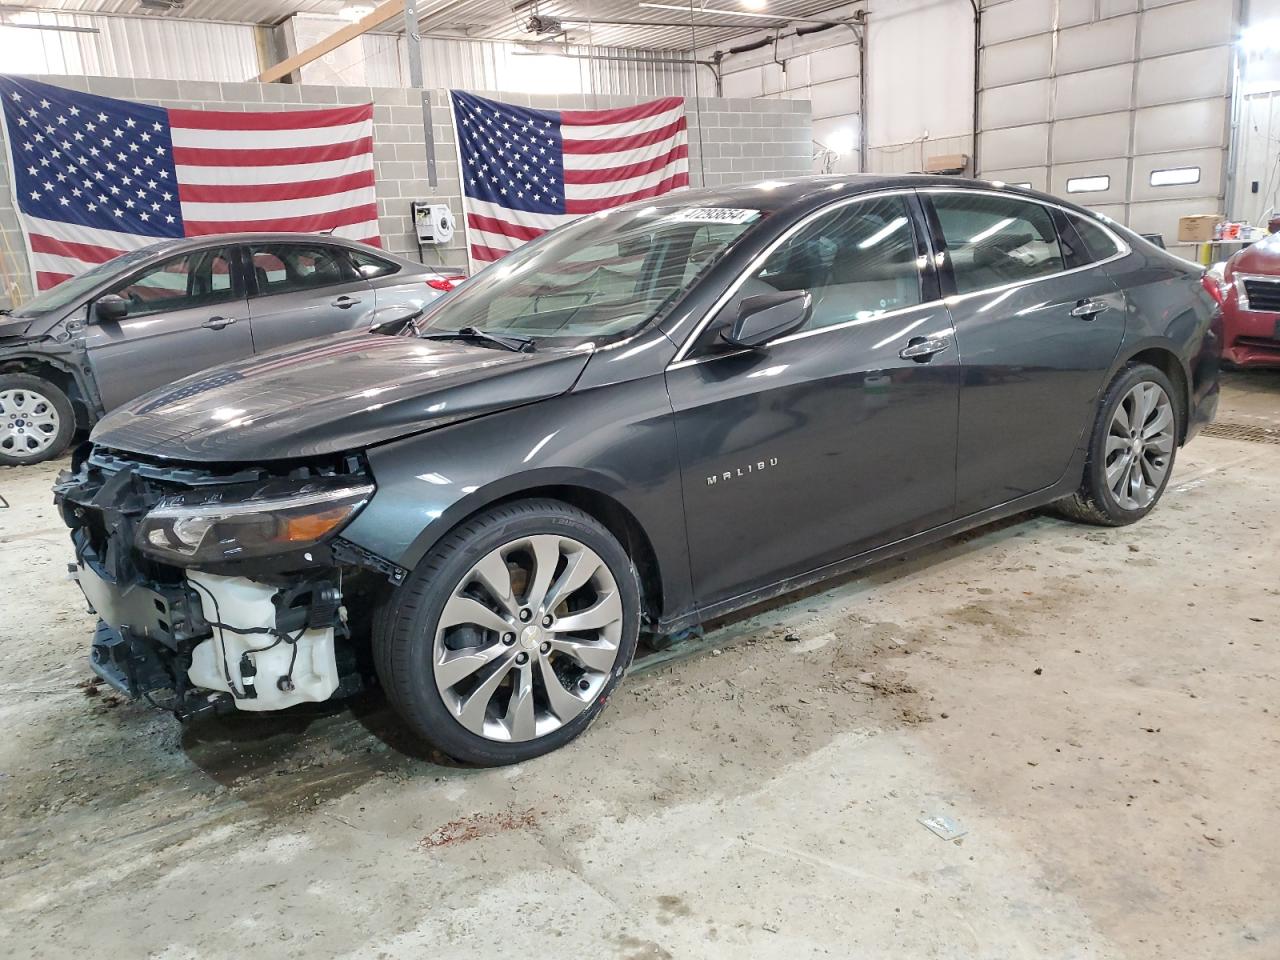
<point x="355" y="11"/>
<point x="755" y="4"/>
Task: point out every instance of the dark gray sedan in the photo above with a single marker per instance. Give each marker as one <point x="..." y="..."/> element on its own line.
<point x="649" y="418"/>
<point x="157" y="314"/>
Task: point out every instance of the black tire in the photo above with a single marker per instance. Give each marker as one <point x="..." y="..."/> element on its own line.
<point x="405" y="626"/>
<point x="1094" y="502"/>
<point x="50" y="393"/>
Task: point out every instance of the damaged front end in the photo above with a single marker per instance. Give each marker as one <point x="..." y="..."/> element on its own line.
<point x="220" y="589"/>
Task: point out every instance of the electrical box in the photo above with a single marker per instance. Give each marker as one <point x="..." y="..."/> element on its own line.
<point x="433" y="222"/>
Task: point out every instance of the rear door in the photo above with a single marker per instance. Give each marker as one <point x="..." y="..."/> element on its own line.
<point x="303" y="289"/>
<point x="1036" y="333"/>
<point x="186" y="313"/>
<point x="828" y="441"/>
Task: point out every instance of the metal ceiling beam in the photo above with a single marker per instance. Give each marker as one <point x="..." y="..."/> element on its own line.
<point x="661" y="23"/>
<point x="48" y="26"/>
<point x="714" y="12"/>
<point x="378" y="16"/>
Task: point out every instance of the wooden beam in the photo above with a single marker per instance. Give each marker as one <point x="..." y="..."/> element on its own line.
<point x="376" y="18"/>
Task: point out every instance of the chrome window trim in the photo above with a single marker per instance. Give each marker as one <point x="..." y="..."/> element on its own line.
<point x="681" y="358"/>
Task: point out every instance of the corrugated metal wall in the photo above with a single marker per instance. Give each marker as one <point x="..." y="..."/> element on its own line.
<point x="130" y="47"/>
<point x="1102" y="100"/>
<point x="486" y="65"/>
<point x="172" y="49"/>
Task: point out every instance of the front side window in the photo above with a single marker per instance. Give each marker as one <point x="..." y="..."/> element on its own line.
<point x="193" y="279"/>
<point x="856" y="262"/>
<point x="290" y="267"/>
<point x="993" y="241"/>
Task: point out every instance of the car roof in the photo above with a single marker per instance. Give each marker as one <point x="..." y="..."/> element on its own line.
<point x="774" y="195"/>
<point x="190" y="243"/>
<point x="169" y="247"/>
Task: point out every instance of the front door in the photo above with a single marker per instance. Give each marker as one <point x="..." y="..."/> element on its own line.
<point x="303" y="290"/>
<point x="828" y="441"/>
<point x="1034" y="350"/>
<point x="186" y="313"/>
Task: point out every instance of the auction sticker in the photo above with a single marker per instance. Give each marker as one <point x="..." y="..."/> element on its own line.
<point x="714" y="215"/>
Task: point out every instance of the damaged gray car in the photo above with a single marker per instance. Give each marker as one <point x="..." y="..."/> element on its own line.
<point x="155" y="315"/>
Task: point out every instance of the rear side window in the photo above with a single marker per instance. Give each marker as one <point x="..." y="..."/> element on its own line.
<point x="193" y="279"/>
<point x="1097" y="242"/>
<point x="289" y="267"/>
<point x="993" y="241"/>
<point x="372" y="267"/>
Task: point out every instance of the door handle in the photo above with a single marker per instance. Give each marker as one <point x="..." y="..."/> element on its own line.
<point x="344" y="302"/>
<point x="217" y="323"/>
<point x="922" y="349"/>
<point x="1088" y="309"/>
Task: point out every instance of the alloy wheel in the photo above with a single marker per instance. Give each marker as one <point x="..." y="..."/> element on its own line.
<point x="528" y="638"/>
<point x="1139" y="446"/>
<point x="29" y="423"/>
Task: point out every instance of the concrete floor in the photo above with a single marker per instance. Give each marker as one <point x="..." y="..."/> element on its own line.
<point x="1096" y="708"/>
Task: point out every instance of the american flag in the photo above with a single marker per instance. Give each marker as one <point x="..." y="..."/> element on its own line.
<point x="94" y="177"/>
<point x="527" y="171"/>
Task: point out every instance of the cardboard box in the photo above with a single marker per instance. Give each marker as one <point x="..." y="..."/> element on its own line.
<point x="947" y="163"/>
<point x="1197" y="228"/>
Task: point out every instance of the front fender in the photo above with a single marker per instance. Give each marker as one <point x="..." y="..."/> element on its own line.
<point x="616" y="441"/>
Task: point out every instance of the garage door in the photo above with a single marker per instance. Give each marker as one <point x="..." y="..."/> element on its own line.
<point x="1120" y="105"/>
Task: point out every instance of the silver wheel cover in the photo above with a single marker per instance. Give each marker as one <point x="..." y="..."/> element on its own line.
<point x="528" y="638"/>
<point x="29" y="423"/>
<point x="1139" y="446"/>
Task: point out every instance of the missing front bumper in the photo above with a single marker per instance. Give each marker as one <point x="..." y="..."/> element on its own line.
<point x="214" y="642"/>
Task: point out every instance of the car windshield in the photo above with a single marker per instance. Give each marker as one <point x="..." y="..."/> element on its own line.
<point x="594" y="280"/>
<point x="71" y="291"/>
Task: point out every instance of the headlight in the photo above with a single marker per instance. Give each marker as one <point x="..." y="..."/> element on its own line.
<point x="216" y="526"/>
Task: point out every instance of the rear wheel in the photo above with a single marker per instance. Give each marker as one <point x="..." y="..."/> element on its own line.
<point x="1131" y="452"/>
<point x="36" y="419"/>
<point x="508" y="637"/>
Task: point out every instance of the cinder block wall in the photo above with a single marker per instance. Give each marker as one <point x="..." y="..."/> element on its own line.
<point x="730" y="141"/>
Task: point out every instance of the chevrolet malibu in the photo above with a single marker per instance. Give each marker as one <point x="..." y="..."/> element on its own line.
<point x="656" y="415"/>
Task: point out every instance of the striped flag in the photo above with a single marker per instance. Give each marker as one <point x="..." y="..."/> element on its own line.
<point x="526" y="171"/>
<point x="93" y="176"/>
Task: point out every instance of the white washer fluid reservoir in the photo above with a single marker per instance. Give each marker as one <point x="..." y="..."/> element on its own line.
<point x="245" y="604"/>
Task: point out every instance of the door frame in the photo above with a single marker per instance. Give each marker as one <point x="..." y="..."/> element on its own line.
<point x="930" y="293"/>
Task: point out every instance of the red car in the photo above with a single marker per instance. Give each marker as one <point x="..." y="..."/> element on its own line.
<point x="1249" y="290"/>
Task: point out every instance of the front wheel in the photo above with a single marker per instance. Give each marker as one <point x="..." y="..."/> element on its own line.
<point x="507" y="639"/>
<point x="37" y="421"/>
<point x="1131" y="451"/>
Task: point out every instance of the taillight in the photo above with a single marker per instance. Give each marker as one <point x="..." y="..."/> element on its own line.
<point x="1215" y="282"/>
<point x="444" y="283"/>
<point x="1215" y="289"/>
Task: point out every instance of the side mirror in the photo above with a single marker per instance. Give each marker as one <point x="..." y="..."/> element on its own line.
<point x="392" y="320"/>
<point x="767" y="317"/>
<point x="110" y="307"/>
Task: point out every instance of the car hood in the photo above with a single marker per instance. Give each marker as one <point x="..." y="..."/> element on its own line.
<point x="1262" y="258"/>
<point x="339" y="394"/>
